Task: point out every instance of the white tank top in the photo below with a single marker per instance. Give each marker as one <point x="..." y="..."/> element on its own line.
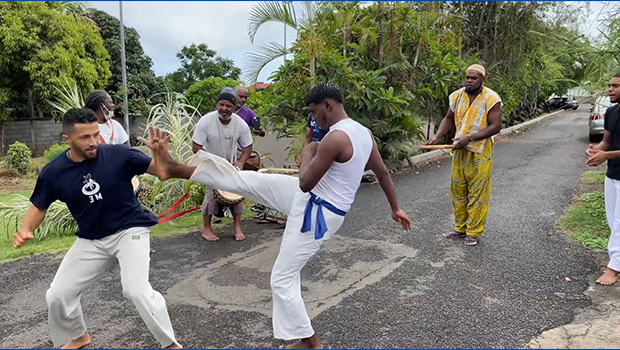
<point x="341" y="181"/>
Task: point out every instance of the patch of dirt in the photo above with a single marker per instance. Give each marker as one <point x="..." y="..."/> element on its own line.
<point x="8" y="184"/>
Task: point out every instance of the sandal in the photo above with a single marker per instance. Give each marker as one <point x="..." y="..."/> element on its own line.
<point x="471" y="241"/>
<point x="454" y="234"/>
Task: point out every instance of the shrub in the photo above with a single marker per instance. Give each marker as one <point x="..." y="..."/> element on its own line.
<point x="55" y="150"/>
<point x="18" y="157"/>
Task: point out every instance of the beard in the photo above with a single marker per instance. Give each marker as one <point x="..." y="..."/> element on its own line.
<point x="473" y="90"/>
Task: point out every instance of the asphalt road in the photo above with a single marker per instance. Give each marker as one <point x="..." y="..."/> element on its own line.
<point x="375" y="286"/>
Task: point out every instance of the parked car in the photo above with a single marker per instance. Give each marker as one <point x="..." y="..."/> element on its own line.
<point x="562" y="102"/>
<point x="596" y="125"/>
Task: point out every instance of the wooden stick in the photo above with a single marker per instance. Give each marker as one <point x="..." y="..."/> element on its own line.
<point x="435" y="146"/>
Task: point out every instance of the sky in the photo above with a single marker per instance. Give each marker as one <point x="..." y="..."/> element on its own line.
<point x="166" y="26"/>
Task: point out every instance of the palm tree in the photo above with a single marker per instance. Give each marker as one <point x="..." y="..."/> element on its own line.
<point x="309" y="39"/>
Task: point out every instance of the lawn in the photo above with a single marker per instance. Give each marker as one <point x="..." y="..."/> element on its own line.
<point x="51" y="244"/>
<point x="585" y="220"/>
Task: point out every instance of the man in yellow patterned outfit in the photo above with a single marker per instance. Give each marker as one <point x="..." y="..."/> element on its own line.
<point x="476" y="111"/>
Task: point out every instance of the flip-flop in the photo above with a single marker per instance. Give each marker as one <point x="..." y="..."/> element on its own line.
<point x="471" y="241"/>
<point x="454" y="234"/>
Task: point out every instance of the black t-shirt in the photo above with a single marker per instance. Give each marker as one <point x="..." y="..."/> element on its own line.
<point x="98" y="191"/>
<point x="612" y="118"/>
<point x="317" y="132"/>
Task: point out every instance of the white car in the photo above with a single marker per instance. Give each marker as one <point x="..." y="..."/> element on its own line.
<point x="596" y="125"/>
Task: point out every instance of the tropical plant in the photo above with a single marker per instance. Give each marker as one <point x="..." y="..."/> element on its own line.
<point x="68" y="96"/>
<point x="177" y="118"/>
<point x="58" y="219"/>
<point x="310" y="40"/>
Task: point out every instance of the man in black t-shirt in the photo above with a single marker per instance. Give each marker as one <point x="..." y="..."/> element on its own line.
<point x="609" y="150"/>
<point x="95" y="182"/>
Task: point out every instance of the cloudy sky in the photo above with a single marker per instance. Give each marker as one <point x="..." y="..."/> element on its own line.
<point x="166" y="26"/>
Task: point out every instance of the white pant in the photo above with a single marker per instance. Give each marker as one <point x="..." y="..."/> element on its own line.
<point x="281" y="192"/>
<point x="85" y="262"/>
<point x="612" y="209"/>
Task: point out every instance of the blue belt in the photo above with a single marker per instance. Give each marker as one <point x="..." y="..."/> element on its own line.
<point x="321" y="226"/>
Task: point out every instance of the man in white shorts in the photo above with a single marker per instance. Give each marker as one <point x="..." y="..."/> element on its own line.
<point x="315" y="204"/>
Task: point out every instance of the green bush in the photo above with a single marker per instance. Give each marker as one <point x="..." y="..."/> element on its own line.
<point x="18" y="157"/>
<point x="55" y="150"/>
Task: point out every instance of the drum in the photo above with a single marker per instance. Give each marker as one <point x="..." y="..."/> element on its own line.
<point x="226" y="199"/>
<point x="270" y="215"/>
<point x="254" y="162"/>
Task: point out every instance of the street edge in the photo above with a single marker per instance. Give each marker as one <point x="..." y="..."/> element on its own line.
<point x="421" y="158"/>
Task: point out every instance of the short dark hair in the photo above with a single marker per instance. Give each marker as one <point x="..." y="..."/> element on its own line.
<point x="322" y="92"/>
<point x="95" y="98"/>
<point x="617" y="75"/>
<point x="77" y="116"/>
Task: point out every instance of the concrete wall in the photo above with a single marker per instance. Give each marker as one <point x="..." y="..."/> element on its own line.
<point x="39" y="134"/>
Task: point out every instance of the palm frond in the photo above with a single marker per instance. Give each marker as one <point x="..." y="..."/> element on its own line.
<point x="68" y="96"/>
<point x="259" y="58"/>
<point x="58" y="219"/>
<point x="270" y="11"/>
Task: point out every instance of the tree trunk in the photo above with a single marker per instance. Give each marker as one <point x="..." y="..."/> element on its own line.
<point x="2" y="140"/>
<point x="31" y="103"/>
<point x="312" y="69"/>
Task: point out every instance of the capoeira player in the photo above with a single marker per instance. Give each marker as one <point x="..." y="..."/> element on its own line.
<point x="316" y="203"/>
<point x="95" y="182"/>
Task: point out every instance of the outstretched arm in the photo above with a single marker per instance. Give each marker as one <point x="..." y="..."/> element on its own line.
<point x="163" y="166"/>
<point x="446" y="125"/>
<point x="375" y="163"/>
<point x="32" y="220"/>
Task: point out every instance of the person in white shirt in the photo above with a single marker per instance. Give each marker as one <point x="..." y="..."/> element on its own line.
<point x="315" y="203"/>
<point x="111" y="132"/>
<point x="218" y="133"/>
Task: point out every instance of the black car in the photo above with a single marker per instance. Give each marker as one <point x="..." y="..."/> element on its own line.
<point x="563" y="102"/>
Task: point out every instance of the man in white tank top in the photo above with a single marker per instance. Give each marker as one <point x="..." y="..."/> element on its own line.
<point x="315" y="204"/>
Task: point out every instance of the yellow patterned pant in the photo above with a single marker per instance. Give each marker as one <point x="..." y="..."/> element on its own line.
<point x="471" y="188"/>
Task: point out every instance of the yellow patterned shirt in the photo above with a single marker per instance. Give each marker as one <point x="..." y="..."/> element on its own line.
<point x="471" y="119"/>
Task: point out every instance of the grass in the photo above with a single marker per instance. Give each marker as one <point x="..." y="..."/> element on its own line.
<point x="585" y="221"/>
<point x="593" y="177"/>
<point x="53" y="244"/>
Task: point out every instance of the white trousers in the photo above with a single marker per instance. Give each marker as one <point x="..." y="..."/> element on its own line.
<point x="281" y="192"/>
<point x="612" y="209"/>
<point x="85" y="262"/>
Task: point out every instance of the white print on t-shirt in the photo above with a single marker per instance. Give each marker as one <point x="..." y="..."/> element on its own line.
<point x="91" y="189"/>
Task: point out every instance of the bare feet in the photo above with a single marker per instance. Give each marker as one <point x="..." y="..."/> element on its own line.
<point x="307" y="343"/>
<point x="174" y="346"/>
<point x="78" y="343"/>
<point x="239" y="236"/>
<point x="608" y="278"/>
<point x="208" y="234"/>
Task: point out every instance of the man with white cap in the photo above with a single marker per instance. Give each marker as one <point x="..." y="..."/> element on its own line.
<point x="219" y="133"/>
<point x="476" y="111"/>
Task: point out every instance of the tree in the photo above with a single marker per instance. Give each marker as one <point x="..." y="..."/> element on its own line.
<point x="198" y="62"/>
<point x="309" y="40"/>
<point x="203" y="94"/>
<point x="141" y="80"/>
<point x="40" y="47"/>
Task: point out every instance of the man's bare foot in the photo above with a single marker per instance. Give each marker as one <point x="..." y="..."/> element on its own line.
<point x="208" y="234"/>
<point x="239" y="236"/>
<point x="307" y="343"/>
<point x="174" y="346"/>
<point x="78" y="343"/>
<point x="608" y="278"/>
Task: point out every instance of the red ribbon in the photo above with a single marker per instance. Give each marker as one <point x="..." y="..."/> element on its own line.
<point x="172" y="208"/>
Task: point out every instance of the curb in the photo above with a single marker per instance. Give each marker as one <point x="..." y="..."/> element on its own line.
<point x="421" y="158"/>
